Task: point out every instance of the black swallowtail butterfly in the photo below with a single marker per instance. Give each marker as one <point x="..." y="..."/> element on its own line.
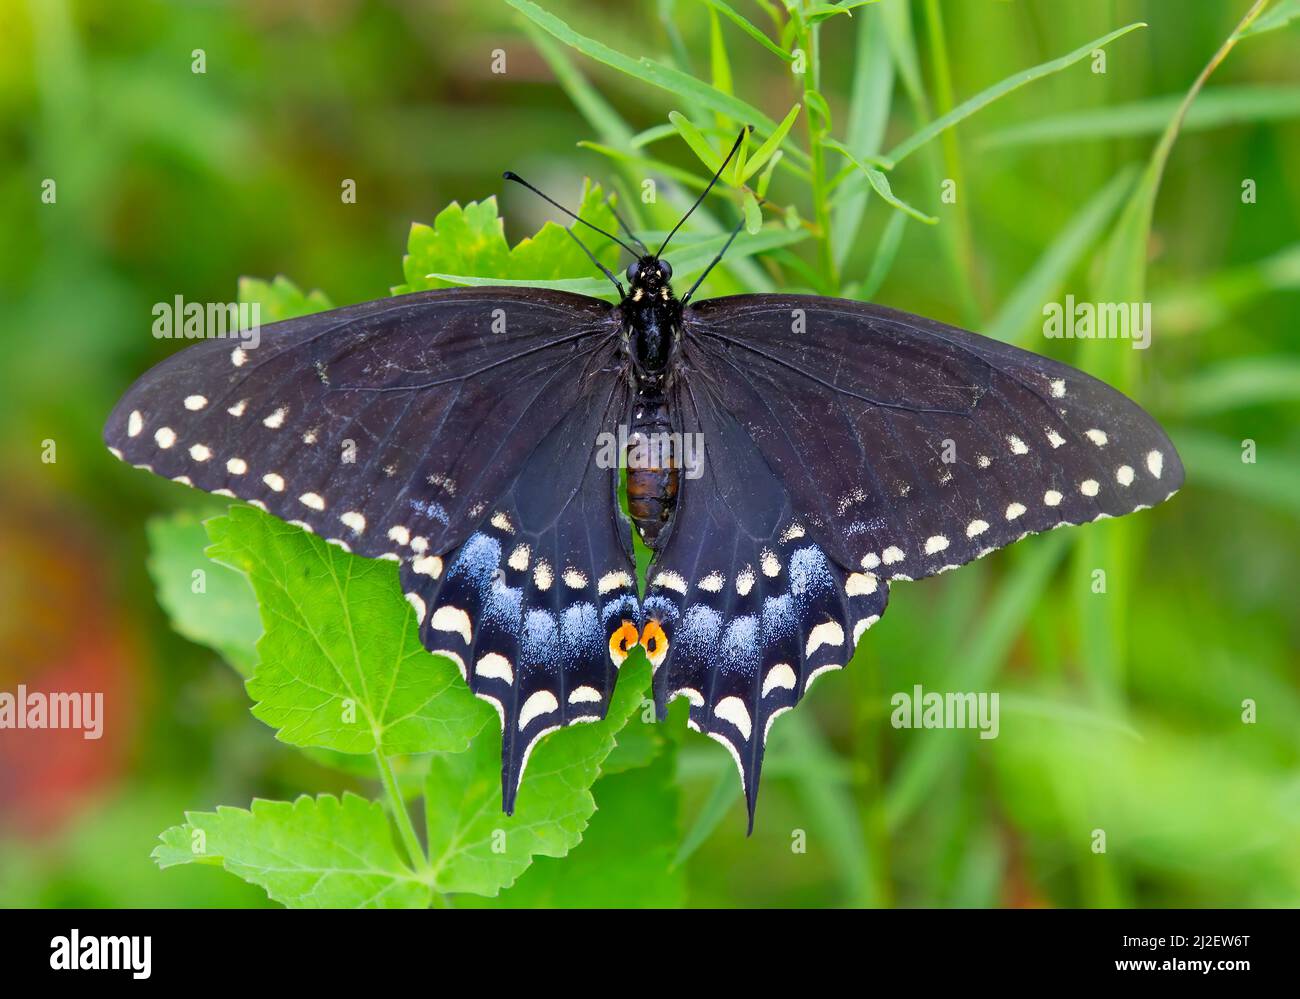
<point x="824" y="425"/>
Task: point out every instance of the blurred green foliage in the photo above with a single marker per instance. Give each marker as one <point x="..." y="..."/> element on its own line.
<point x="1122" y="711"/>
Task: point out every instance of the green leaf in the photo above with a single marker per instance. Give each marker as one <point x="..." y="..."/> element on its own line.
<point x="819" y="109"/>
<point x="223" y="615"/>
<point x="341" y="666"/>
<point x="688" y="258"/>
<point x="625" y="859"/>
<point x="473" y="847"/>
<point x="749" y="28"/>
<point x="770" y="146"/>
<point x="1279" y="17"/>
<point x="816" y="13"/>
<point x="472" y="240"/>
<point x="985" y="97"/>
<point x="313" y="853"/>
<point x="694" y="138"/>
<point x="880" y="184"/>
<point x="280" y="299"/>
<point x="753" y="215"/>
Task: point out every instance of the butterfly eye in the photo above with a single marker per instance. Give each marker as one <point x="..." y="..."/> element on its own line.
<point x="655" y="642"/>
<point x="634" y="270"/>
<point x="621" y="642"/>
<point x="665" y="269"/>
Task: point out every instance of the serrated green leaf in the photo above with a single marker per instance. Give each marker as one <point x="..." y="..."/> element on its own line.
<point x="475" y="848"/>
<point x="625" y="859"/>
<point x="688" y="258"/>
<point x="471" y="240"/>
<point x="313" y="853"/>
<point x="223" y="614"/>
<point x="280" y="298"/>
<point x="341" y="666"/>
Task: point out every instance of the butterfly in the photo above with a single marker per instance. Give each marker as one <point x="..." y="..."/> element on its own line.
<point x="788" y="458"/>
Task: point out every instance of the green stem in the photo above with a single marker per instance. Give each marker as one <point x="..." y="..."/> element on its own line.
<point x="397" y="805"/>
<point x="821" y="202"/>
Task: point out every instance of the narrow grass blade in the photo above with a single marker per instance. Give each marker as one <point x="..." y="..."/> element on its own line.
<point x="725" y="794"/>
<point x="1240" y="383"/>
<point x="986" y="97"/>
<point x="1024" y="306"/>
<point x="886" y="252"/>
<point x="1218" y="107"/>
<point x="649" y="71"/>
<point x="1216" y="462"/>
<point x="749" y="28"/>
<point x="598" y="112"/>
<point x="870" y="96"/>
<point x="977" y="663"/>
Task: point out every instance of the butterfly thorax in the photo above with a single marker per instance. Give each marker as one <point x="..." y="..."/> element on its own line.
<point x="651" y="323"/>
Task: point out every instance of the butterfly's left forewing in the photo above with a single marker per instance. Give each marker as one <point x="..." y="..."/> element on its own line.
<point x="452" y="431"/>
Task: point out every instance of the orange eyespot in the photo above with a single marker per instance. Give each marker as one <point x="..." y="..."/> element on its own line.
<point x="655" y="642"/>
<point x="622" y="641"/>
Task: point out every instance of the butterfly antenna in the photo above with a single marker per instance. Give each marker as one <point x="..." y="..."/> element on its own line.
<point x="511" y="175"/>
<point x="736" y="145"/>
<point x="627" y="229"/>
<point x="605" y="270"/>
<point x="714" y="262"/>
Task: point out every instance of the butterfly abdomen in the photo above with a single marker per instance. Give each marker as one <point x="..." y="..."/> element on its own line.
<point x="652" y="468"/>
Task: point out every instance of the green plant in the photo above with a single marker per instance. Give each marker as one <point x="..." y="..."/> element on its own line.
<point x="818" y="185"/>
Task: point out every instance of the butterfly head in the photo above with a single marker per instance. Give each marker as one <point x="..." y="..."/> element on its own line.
<point x="649" y="277"/>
